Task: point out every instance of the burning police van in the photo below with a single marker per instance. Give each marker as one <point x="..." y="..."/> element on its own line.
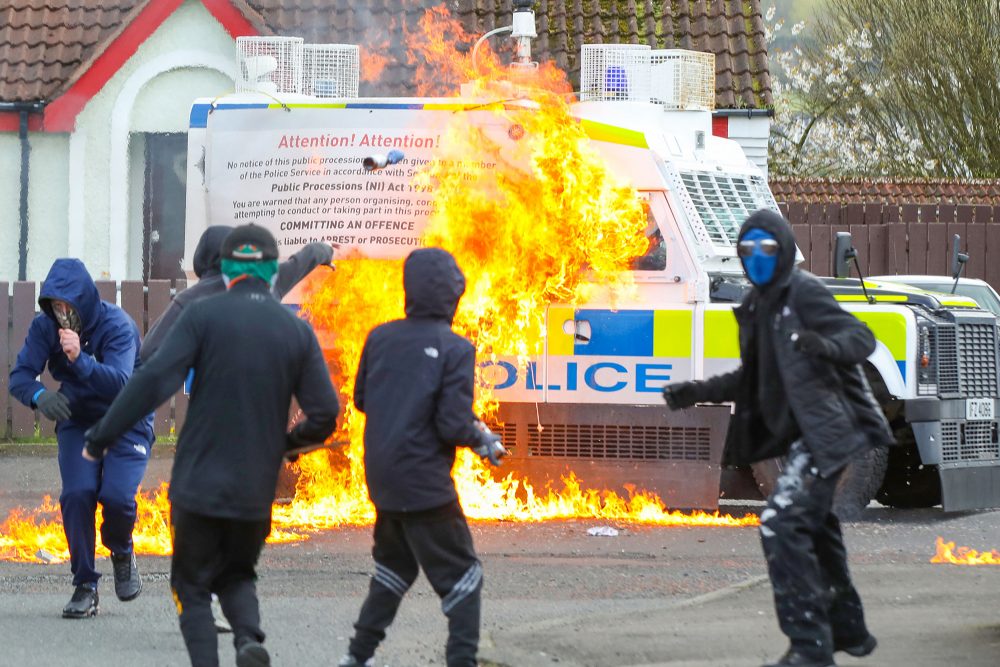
<point x="297" y="151"/>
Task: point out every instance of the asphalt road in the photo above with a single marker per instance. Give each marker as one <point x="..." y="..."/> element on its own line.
<point x="553" y="595"/>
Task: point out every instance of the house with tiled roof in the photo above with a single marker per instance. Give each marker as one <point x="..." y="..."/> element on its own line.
<point x="95" y="99"/>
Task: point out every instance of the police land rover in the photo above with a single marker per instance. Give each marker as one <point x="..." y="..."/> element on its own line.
<point x="590" y="401"/>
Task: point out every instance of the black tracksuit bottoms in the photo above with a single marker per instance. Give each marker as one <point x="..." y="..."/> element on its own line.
<point x="437" y="541"/>
<point x="817" y="605"/>
<point x="213" y="555"/>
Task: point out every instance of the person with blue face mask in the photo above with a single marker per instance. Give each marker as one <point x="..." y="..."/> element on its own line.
<point x="758" y="250"/>
<point x="799" y="393"/>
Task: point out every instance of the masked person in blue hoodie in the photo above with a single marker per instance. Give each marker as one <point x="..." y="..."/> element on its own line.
<point x="799" y="393"/>
<point x="91" y="348"/>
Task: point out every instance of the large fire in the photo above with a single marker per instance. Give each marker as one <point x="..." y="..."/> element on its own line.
<point x="545" y="226"/>
<point x="946" y="552"/>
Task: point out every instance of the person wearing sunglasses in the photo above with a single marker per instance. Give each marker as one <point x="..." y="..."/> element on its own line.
<point x="800" y="393"/>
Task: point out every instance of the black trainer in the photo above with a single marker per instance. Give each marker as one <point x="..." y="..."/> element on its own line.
<point x="128" y="583"/>
<point x="858" y="650"/>
<point x="793" y="658"/>
<point x="83" y="604"/>
<point x="252" y="654"/>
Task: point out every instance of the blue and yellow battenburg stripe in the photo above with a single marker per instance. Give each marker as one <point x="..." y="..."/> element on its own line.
<point x="622" y="333"/>
<point x="667" y="333"/>
<point x="597" y="131"/>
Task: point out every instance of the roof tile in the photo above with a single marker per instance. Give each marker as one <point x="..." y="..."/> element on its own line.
<point x="45" y="43"/>
<point x="50" y="42"/>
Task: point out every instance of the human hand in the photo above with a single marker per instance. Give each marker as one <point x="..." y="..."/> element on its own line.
<point x="53" y="405"/>
<point x="490" y="446"/>
<point x="334" y="247"/>
<point x="813" y="344"/>
<point x="70" y="342"/>
<point x="91" y="452"/>
<point x="680" y="395"/>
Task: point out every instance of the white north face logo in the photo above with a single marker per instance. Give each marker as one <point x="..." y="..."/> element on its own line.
<point x="431" y="352"/>
<point x="139" y="448"/>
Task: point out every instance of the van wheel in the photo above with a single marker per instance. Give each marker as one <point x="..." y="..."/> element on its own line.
<point x="908" y="483"/>
<point x="856" y="487"/>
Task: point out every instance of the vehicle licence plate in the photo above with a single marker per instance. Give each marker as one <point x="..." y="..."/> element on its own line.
<point x="977" y="409"/>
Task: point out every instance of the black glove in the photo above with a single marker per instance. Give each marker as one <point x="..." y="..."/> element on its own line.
<point x="814" y="344"/>
<point x="489" y="447"/>
<point x="53" y="405"/>
<point x="328" y="250"/>
<point x="681" y="395"/>
<point x="296" y="445"/>
<point x="92" y="448"/>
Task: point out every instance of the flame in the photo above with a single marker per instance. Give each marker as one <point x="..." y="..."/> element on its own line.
<point x="548" y="224"/>
<point x="544" y="226"/>
<point x="374" y="60"/>
<point x="38" y="534"/>
<point x="947" y="553"/>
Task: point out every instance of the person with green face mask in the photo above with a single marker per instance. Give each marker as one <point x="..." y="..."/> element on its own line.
<point x="250" y="355"/>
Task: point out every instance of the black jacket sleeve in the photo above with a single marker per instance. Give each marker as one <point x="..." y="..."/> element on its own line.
<point x="359" y="380"/>
<point x="453" y="416"/>
<point x="151" y="385"/>
<point x="158" y="332"/>
<point x="298" y="266"/>
<point x="851" y="340"/>
<point x="316" y="397"/>
<point x="719" y="388"/>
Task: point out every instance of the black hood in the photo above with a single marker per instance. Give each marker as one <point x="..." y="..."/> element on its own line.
<point x="207" y="256"/>
<point x="433" y="284"/>
<point x="776" y="225"/>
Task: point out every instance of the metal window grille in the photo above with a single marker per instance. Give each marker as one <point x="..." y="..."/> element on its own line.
<point x="614" y="72"/>
<point x="330" y="70"/>
<point x="723" y="201"/>
<point x="269" y="64"/>
<point x="681" y="79"/>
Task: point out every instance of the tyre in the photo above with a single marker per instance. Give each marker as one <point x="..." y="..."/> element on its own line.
<point x="857" y="486"/>
<point x="908" y="483"/>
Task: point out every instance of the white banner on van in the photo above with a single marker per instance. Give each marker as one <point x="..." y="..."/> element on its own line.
<point x="301" y="174"/>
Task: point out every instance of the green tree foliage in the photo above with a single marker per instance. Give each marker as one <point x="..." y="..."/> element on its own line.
<point x="892" y="88"/>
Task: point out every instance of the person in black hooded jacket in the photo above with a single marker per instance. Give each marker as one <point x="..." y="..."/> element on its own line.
<point x="251" y="355"/>
<point x="207" y="267"/>
<point x="415" y="385"/>
<point x="800" y="393"/>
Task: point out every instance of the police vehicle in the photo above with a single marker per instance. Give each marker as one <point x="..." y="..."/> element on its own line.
<point x="295" y="149"/>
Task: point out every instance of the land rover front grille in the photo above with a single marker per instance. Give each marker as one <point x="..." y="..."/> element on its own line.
<point x="977" y="348"/>
<point x="946" y="358"/>
<point x="969" y="441"/>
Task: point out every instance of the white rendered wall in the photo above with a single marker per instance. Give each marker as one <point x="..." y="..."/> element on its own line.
<point x="48" y="202"/>
<point x="10" y="188"/>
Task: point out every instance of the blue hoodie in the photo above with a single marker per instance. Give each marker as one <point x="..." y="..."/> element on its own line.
<point x="109" y="349"/>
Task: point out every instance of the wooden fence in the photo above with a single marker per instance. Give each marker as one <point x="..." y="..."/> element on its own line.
<point x="143" y="303"/>
<point x="893" y="239"/>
